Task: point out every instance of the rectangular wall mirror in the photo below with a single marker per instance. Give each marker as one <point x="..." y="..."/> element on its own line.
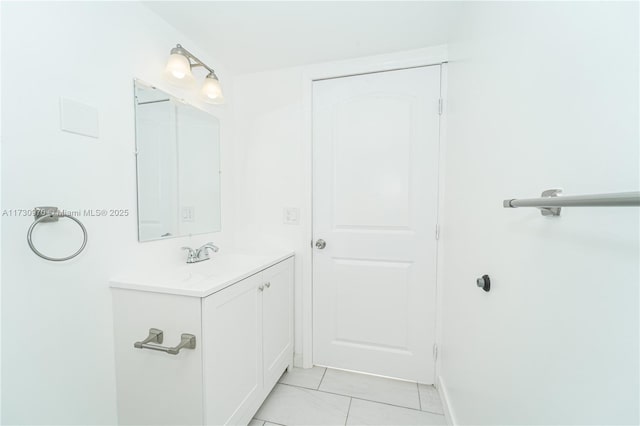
<point x="178" y="166"/>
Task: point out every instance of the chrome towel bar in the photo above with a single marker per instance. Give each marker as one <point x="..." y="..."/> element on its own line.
<point x="552" y="201"/>
<point x="187" y="341"/>
<point x="52" y="214"/>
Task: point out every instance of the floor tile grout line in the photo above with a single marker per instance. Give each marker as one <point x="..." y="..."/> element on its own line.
<point x="363" y="399"/>
<point x="348" y="411"/>
<point x="322" y="378"/>
<point x="397" y="406"/>
<point x="267" y="421"/>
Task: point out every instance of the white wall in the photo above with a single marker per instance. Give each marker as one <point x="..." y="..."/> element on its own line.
<point x="58" y="365"/>
<point x="541" y="96"/>
<point x="270" y="167"/>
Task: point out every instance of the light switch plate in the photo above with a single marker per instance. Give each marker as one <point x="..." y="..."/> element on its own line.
<point x="188" y="214"/>
<point x="78" y="118"/>
<point x="291" y="216"/>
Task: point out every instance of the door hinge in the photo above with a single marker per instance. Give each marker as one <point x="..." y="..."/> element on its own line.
<point x="437" y="231"/>
<point x="440" y="106"/>
<point x="435" y="352"/>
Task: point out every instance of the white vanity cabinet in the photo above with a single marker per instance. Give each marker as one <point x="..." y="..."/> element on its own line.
<point x="244" y="342"/>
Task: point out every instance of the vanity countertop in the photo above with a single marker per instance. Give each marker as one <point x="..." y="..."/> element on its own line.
<point x="203" y="278"/>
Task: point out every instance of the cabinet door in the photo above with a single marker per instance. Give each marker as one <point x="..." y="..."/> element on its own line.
<point x="231" y="326"/>
<point x="277" y="321"/>
<point x="156" y="388"/>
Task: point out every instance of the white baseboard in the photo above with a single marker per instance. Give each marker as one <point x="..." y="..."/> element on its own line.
<point x="297" y="360"/>
<point x="446" y="403"/>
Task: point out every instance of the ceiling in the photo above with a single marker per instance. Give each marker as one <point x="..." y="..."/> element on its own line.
<point x="247" y="37"/>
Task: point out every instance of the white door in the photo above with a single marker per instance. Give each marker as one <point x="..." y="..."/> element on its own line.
<point x="375" y="189"/>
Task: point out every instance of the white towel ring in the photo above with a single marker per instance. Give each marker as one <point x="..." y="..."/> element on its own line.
<point x="52" y="214"/>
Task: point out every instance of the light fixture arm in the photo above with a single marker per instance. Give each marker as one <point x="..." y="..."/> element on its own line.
<point x="193" y="60"/>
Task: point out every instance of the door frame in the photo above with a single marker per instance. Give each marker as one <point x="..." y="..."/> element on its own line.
<point x="436" y="55"/>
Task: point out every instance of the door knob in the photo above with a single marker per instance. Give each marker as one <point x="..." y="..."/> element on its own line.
<point x="320" y="244"/>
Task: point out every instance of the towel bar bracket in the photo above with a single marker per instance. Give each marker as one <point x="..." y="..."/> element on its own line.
<point x="551" y="211"/>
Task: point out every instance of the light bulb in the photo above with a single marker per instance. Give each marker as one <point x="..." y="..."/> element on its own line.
<point x="178" y="69"/>
<point x="211" y="90"/>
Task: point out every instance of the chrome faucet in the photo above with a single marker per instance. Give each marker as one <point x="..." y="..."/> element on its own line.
<point x="203" y="252"/>
<point x="191" y="255"/>
<point x="200" y="254"/>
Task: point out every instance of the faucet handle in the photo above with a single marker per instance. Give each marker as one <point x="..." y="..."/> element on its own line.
<point x="191" y="255"/>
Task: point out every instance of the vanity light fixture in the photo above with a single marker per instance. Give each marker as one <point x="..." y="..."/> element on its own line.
<point x="178" y="71"/>
<point x="211" y="89"/>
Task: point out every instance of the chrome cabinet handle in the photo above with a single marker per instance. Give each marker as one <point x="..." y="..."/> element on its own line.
<point x="187" y="341"/>
<point x="320" y="244"/>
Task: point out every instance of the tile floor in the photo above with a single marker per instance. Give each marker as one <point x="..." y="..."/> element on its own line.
<point x="322" y="396"/>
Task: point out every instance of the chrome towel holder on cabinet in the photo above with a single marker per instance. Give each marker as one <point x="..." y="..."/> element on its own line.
<point x="52" y="214"/>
